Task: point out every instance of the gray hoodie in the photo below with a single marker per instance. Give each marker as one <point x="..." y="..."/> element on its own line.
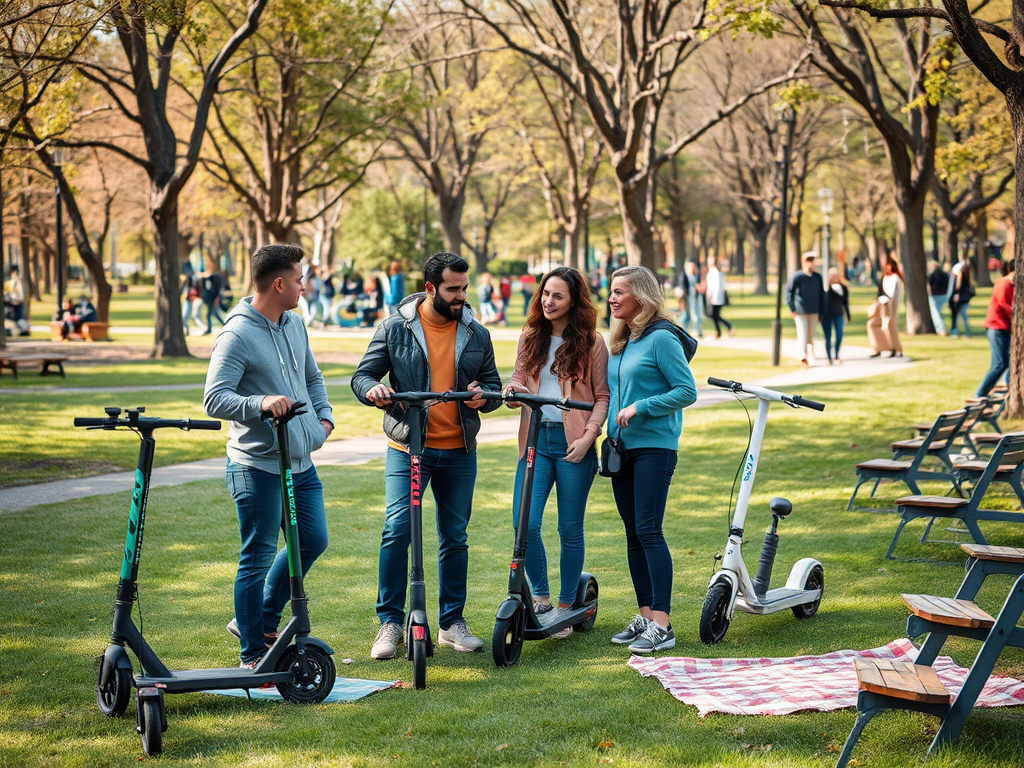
<point x="254" y="357"/>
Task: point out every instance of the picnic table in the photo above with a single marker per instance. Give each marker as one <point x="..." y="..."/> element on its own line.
<point x="13" y="361"/>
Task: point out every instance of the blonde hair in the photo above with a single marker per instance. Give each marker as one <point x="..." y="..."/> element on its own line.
<point x="646" y="290"/>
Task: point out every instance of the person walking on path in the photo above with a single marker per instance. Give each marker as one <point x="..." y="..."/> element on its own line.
<point x="938" y="294"/>
<point x="485" y="297"/>
<point x="396" y="286"/>
<point x="560" y="355"/>
<point x="717" y="297"/>
<point x="650" y="383"/>
<point x="961" y="293"/>
<point x="805" y="297"/>
<point x="837" y="313"/>
<point x="883" y="324"/>
<point x="212" y="287"/>
<point x="431" y="343"/>
<point x="694" y="288"/>
<point x="261" y="362"/>
<point x="999" y="324"/>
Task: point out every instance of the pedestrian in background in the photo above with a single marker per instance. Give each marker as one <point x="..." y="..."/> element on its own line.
<point x="837" y="313"/>
<point x="717" y="296"/>
<point x="805" y="296"/>
<point x="999" y="324"/>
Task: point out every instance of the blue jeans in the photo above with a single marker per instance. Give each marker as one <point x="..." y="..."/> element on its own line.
<point x="641" y="492"/>
<point x="828" y="325"/>
<point x="262" y="585"/>
<point x="958" y="311"/>
<point x="453" y="499"/>
<point x="999" y="341"/>
<point x="572" y="486"/>
<point x="694" y="313"/>
<point x="937" y="304"/>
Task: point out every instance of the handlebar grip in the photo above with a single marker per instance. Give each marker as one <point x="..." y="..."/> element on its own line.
<point x="89" y="421"/>
<point x="805" y="403"/>
<point x="579" y="405"/>
<point x="722" y="383"/>
<point x="201" y="424"/>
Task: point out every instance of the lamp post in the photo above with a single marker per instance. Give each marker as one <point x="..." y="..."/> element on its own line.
<point x="57" y="158"/>
<point x="825" y="203"/>
<point x="787" y="119"/>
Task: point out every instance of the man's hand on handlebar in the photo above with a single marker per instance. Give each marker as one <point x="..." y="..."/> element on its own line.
<point x="510" y="390"/>
<point x="477" y="402"/>
<point x="380" y="395"/>
<point x="276" y="405"/>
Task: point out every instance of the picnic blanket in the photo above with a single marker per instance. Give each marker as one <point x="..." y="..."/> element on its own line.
<point x="346" y="690"/>
<point x="784" y="686"/>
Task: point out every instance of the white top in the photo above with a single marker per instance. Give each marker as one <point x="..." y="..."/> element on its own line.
<point x="889" y="284"/>
<point x="549" y="386"/>
<point x="716" y="287"/>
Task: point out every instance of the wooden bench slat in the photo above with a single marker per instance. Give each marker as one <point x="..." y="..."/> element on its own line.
<point x="937" y="502"/>
<point x="885" y="464"/>
<point x="948" y="611"/>
<point x="900" y="680"/>
<point x="993" y="553"/>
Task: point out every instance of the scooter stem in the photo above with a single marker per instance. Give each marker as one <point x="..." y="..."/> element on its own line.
<point x="750" y="466"/>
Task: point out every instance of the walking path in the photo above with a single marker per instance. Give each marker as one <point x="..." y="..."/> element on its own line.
<point x="337" y="453"/>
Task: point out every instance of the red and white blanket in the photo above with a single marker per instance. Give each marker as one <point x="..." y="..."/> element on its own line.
<point x="784" y="686"/>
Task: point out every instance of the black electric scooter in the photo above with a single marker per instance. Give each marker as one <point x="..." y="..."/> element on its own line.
<point x="516" y="620"/>
<point x="418" y="642"/>
<point x="299" y="664"/>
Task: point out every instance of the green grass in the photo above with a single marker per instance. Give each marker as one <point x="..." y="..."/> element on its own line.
<point x="58" y="571"/>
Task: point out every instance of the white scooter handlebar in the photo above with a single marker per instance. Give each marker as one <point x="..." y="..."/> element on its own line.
<point x="766" y="394"/>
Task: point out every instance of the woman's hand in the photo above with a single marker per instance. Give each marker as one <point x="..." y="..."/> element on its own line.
<point x="511" y="389"/>
<point x="579" y="448"/>
<point x="623" y="417"/>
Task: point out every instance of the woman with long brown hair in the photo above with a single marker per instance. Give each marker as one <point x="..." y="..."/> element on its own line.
<point x="561" y="355"/>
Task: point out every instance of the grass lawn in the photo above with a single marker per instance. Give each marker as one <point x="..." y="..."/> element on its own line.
<point x="566" y="701"/>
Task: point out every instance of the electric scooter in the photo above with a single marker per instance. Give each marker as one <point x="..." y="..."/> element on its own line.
<point x="299" y="664"/>
<point x="730" y="588"/>
<point x="516" y="619"/>
<point x="418" y="642"/>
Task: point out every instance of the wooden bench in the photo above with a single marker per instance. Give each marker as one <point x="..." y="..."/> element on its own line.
<point x="90" y="331"/>
<point x="938" y="449"/>
<point x="14" y="362"/>
<point x="950" y="611"/>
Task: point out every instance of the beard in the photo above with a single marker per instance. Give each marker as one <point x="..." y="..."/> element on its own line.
<point x="446" y="310"/>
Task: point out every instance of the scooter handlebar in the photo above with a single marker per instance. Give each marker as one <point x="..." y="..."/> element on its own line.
<point x="805" y="403"/>
<point x="296" y="409"/>
<point x="146" y="423"/>
<point x="734" y="385"/>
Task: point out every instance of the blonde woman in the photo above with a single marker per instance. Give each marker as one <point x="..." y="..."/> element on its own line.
<point x="650" y="383"/>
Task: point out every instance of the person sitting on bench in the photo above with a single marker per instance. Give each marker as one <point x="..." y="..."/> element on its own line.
<point x="73" y="317"/>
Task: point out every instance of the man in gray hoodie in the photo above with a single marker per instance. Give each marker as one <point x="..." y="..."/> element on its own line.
<point x="262" y="362"/>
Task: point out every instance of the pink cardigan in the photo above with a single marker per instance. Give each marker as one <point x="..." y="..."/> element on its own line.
<point x="594" y="390"/>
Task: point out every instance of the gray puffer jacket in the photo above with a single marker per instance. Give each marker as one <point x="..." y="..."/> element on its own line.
<point x="398" y="350"/>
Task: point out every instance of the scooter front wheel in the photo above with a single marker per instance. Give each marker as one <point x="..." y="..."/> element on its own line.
<point x="151" y="723"/>
<point x="307" y="689"/>
<point x="714" y="616"/>
<point x="113" y="697"/>
<point x="507" y="640"/>
<point x="419" y="664"/>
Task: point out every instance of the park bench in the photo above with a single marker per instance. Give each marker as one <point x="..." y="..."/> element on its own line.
<point x="885" y="685"/>
<point x="944" y="430"/>
<point x="995" y="404"/>
<point x="90" y="331"/>
<point x="974" y="411"/>
<point x="1005" y="466"/>
<point x="15" y="362"/>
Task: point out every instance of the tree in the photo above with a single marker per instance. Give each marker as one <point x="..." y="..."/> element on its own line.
<point x="148" y="32"/>
<point x="1008" y="78"/>
<point x="619" y="59"/>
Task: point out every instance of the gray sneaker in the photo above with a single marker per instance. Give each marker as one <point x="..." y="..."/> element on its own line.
<point x="653" y="639"/>
<point x="389" y="637"/>
<point x="269" y="638"/>
<point x="459" y="637"/>
<point x="632" y="632"/>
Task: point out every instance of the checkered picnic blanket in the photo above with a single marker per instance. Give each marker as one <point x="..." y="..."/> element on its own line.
<point x="784" y="686"/>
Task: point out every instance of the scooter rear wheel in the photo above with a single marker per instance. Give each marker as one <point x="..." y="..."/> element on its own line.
<point x="507" y="640"/>
<point x="113" y="697"/>
<point x="815" y="580"/>
<point x="419" y="664"/>
<point x="714" y="616"/>
<point x="317" y="686"/>
<point x="590" y="596"/>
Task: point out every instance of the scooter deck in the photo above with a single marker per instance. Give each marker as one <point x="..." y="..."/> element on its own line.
<point x="778" y="600"/>
<point x="193" y="680"/>
<point x="555" y="621"/>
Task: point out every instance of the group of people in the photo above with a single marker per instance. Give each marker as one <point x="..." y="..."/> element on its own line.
<point x="202" y="292"/>
<point x="955" y="288"/>
<point x="701" y="292"/>
<point x="322" y="303"/>
<point x="433" y="341"/>
<point x="810" y="302"/>
<point x="494" y="299"/>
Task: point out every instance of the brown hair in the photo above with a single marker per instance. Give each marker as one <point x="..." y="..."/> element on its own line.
<point x="572" y="360"/>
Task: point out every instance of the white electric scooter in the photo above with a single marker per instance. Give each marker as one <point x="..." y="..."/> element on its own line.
<point x="731" y="589"/>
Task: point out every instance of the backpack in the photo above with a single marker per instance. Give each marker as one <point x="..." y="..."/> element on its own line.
<point x="686" y="340"/>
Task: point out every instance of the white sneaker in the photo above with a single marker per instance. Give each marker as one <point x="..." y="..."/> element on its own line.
<point x="385" y="645"/>
<point x="459" y="637"/>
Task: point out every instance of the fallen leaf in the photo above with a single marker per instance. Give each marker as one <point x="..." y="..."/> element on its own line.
<point x="605" y="744"/>
<point x="409" y="732"/>
<point x="500" y="747"/>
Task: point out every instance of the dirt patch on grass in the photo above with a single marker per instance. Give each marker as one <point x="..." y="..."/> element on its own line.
<point x="46" y="470"/>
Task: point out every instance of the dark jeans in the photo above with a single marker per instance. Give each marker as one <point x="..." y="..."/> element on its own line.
<point x="641" y="490"/>
<point x="999" y="341"/>
<point x="262" y="585"/>
<point x="828" y="325"/>
<point x="958" y="310"/>
<point x="212" y="311"/>
<point x="716" y="318"/>
<point x="453" y="499"/>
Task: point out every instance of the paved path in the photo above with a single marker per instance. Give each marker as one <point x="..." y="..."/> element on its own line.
<point x="336" y="453"/>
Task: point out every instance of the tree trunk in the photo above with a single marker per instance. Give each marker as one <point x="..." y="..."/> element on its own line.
<point x="951" y="243"/>
<point x="1015" y="397"/>
<point x="984" y="279"/>
<point x="168" y="335"/>
<point x="450" y="213"/>
<point x="740" y="265"/>
<point x="636" y="229"/>
<point x="910" y="225"/>
<point x="27" y="278"/>
<point x="761" y="261"/>
<point x="572" y="254"/>
<point x="677" y="229"/>
<point x="36" y="271"/>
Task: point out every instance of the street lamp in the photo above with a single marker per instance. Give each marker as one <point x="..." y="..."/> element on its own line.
<point x="787" y="119"/>
<point x="57" y="160"/>
<point x="825" y="203"/>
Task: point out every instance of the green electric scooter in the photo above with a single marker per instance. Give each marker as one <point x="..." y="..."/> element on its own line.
<point x="299" y="664"/>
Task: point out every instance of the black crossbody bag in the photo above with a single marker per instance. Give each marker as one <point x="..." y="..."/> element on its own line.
<point x="613" y="452"/>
